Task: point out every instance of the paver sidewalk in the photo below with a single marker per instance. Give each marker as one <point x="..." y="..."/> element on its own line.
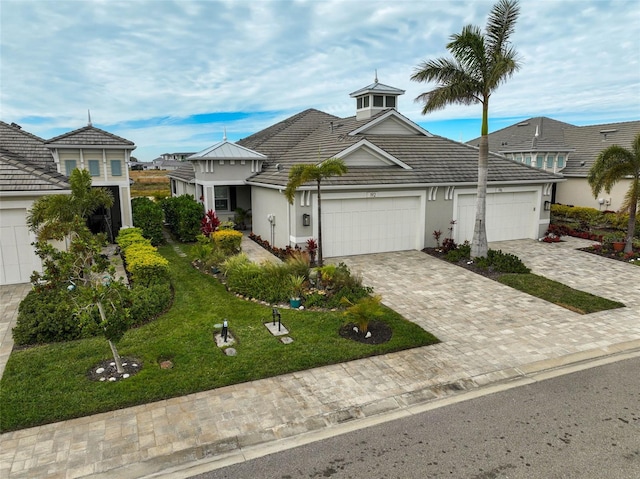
<point x="490" y="332"/>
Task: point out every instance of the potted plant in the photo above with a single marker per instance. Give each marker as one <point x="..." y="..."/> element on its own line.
<point x="616" y="239"/>
<point x="296" y="283"/>
<point x="241" y="218"/>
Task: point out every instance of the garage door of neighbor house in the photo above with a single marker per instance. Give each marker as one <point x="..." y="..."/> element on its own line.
<point x="369" y="225"/>
<point x="510" y="215"/>
<point x="17" y="259"/>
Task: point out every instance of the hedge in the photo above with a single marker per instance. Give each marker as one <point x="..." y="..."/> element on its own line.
<point x="148" y="216"/>
<point x="145" y="265"/>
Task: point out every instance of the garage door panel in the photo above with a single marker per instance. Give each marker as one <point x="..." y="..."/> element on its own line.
<point x="17" y="257"/>
<point x="510" y="215"/>
<point x="369" y="225"/>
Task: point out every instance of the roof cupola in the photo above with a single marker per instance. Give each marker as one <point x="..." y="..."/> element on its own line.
<point x="375" y="98"/>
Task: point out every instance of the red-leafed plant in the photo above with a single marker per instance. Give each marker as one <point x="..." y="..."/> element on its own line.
<point x="312" y="248"/>
<point x="209" y="223"/>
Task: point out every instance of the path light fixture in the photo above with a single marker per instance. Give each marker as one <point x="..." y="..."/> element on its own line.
<point x="274" y="313"/>
<point x="225" y="330"/>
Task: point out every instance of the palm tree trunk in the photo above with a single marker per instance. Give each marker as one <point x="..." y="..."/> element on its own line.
<point x="628" y="247"/>
<point x="320" y="260"/>
<point x="479" y="246"/>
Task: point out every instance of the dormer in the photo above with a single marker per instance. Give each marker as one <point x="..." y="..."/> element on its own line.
<point x="375" y="98"/>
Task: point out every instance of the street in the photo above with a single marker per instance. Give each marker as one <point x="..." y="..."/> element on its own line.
<point x="582" y="425"/>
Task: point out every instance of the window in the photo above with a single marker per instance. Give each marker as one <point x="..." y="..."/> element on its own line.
<point x="560" y="161"/>
<point x="116" y="168"/>
<point x="94" y="167"/>
<point x="378" y="100"/>
<point x="69" y="166"/>
<point x="359" y="103"/>
<point x="527" y="160"/>
<point x="221" y="198"/>
<point x="365" y="102"/>
<point x="390" y="101"/>
<point x="539" y="161"/>
<point x="519" y="158"/>
<point x="550" y="159"/>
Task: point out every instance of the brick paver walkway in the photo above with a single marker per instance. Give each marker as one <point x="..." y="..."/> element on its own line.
<point x="489" y="332"/>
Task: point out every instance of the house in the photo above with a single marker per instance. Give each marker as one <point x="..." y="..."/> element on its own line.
<point x="402" y="182"/>
<point x="31" y="167"/>
<point x="566" y="149"/>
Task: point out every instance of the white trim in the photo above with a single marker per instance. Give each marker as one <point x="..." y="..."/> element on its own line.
<point x="392" y="112"/>
<point x="367" y="144"/>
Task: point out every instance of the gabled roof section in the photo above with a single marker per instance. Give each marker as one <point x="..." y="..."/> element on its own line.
<point x="25" y="145"/>
<point x="393" y="121"/>
<point x="379" y="88"/>
<point x="365" y="153"/>
<point x="89" y="136"/>
<point x="226" y="150"/>
<point x="277" y="139"/>
<point x="18" y="174"/>
<point x="184" y="173"/>
<point x="534" y="134"/>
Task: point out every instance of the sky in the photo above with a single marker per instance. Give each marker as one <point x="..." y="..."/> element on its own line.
<point x="174" y="76"/>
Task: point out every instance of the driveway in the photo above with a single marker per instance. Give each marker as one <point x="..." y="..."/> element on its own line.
<point x="496" y="324"/>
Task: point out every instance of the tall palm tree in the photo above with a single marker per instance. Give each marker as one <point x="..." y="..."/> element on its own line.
<point x="480" y="63"/>
<point x="612" y="165"/>
<point x="303" y="173"/>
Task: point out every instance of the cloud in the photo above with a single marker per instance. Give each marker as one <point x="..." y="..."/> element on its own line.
<point x="167" y="68"/>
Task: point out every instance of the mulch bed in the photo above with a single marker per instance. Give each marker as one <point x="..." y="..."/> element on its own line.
<point x="380" y="333"/>
<point x="106" y="370"/>
<point x="465" y="263"/>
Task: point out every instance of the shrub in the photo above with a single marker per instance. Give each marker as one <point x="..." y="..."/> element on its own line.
<point x="228" y="241"/>
<point x="299" y="263"/>
<point x="45" y="316"/>
<point x="183" y="215"/>
<point x="145" y="265"/>
<point x="147" y="303"/>
<point x="363" y="310"/>
<point x="506" y="262"/>
<point x="129" y="236"/>
<point x="148" y="216"/>
<point x="209" y="223"/>
<point x="463" y="251"/>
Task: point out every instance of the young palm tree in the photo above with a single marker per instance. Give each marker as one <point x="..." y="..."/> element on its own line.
<point x="480" y="63"/>
<point x="56" y="216"/>
<point x="612" y="165"/>
<point x="303" y="173"/>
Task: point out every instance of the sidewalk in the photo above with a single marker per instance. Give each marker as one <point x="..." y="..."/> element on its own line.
<point x="490" y="334"/>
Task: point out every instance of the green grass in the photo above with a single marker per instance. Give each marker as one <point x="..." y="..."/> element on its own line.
<point x="558" y="293"/>
<point x="49" y="383"/>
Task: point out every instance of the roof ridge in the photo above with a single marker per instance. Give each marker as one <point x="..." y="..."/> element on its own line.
<point x="89" y="128"/>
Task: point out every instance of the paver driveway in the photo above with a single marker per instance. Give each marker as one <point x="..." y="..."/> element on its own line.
<point x="494" y="325"/>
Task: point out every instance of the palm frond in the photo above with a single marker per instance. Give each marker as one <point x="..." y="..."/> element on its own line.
<point x="501" y="24"/>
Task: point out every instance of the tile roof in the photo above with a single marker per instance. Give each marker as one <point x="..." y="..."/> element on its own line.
<point x="309" y="138"/>
<point x="89" y="135"/>
<point x="184" y="172"/>
<point x="25" y="145"/>
<point x="583" y="143"/>
<point x="20" y="174"/>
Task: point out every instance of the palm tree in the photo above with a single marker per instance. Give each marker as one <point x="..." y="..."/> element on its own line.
<point x="480" y="63"/>
<point x="303" y="173"/>
<point x="612" y="165"/>
<point x="56" y="216"/>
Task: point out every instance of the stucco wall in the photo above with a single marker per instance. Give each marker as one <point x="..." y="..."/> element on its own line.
<point x="266" y="201"/>
<point x="577" y="192"/>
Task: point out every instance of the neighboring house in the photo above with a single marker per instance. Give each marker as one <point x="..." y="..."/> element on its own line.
<point x="32" y="167"/>
<point x="162" y="163"/>
<point x="403" y="182"/>
<point x="567" y="149"/>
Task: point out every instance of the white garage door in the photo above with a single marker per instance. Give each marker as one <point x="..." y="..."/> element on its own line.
<point x="17" y="258"/>
<point x="509" y="216"/>
<point x="369" y="225"/>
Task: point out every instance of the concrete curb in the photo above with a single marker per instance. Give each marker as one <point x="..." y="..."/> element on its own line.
<point x="203" y="458"/>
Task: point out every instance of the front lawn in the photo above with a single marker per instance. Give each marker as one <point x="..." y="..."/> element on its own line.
<point x="50" y="383"/>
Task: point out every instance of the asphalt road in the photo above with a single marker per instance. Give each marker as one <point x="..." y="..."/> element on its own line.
<point x="582" y="425"/>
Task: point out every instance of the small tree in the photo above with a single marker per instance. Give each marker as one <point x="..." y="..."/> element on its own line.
<point x="148" y="216"/>
<point x="304" y="173"/>
<point x="612" y="165"/>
